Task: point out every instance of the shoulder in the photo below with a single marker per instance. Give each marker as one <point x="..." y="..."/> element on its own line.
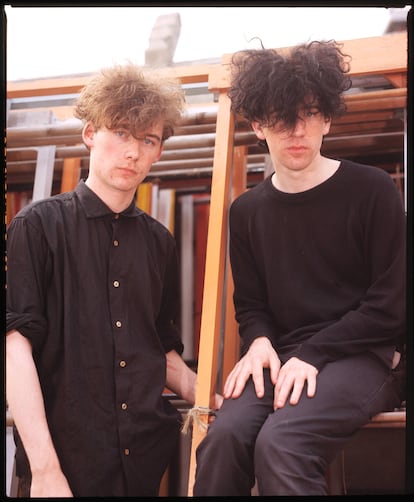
<point x="44" y="208"/>
<point x="371" y="186"/>
<point x="365" y="172"/>
<point x="249" y="198"/>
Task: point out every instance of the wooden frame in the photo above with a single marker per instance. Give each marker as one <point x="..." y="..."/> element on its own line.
<point x="229" y="179"/>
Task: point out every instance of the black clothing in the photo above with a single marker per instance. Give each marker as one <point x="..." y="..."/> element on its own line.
<point x="96" y="293"/>
<point x="321" y="273"/>
<point x="288" y="451"/>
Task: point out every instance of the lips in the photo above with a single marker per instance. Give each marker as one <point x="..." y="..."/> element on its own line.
<point x="127" y="170"/>
<point x="296" y="148"/>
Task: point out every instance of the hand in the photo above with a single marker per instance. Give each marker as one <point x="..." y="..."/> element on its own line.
<point x="291" y="379"/>
<point x="261" y="354"/>
<point x="52" y="483"/>
<point x="216" y="401"/>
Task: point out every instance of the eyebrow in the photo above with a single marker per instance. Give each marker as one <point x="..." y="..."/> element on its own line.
<point x="155" y="136"/>
<point x="149" y="135"/>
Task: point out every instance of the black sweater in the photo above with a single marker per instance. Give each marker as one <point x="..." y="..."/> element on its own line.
<point x="321" y="273"/>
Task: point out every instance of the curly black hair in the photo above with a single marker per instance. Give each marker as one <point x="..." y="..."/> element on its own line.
<point x="270" y="87"/>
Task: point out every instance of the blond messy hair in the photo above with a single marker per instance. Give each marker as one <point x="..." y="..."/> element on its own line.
<point x="128" y="97"/>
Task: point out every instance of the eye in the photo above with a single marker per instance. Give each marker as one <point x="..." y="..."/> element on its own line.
<point x="311" y="113"/>
<point x="121" y="133"/>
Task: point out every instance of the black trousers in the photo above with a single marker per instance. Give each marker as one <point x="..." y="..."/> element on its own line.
<point x="288" y="450"/>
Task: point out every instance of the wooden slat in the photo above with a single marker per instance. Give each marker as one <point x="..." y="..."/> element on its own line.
<point x="70" y="174"/>
<point x="390" y="419"/>
<point x="214" y="272"/>
<point x="383" y="55"/>
<point x="73" y="84"/>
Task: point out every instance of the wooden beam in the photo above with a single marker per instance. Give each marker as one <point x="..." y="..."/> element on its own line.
<point x="214" y="274"/>
<point x="73" y="84"/>
<point x="70" y="174"/>
<point x="383" y="55"/>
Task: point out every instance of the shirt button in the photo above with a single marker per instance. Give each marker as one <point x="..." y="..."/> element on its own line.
<point x="118" y="324"/>
<point x="124" y="406"/>
<point x="126" y="451"/>
<point x="122" y="364"/>
<point x="116" y="216"/>
<point x="116" y="243"/>
<point x="116" y="284"/>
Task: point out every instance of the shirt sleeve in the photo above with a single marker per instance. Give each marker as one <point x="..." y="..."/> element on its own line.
<point x="167" y="321"/>
<point x="26" y="277"/>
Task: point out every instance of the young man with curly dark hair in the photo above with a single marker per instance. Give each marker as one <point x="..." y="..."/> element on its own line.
<point x="318" y="259"/>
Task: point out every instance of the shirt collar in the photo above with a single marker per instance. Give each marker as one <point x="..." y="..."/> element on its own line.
<point x="95" y="207"/>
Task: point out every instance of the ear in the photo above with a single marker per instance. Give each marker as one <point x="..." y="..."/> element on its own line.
<point x="157" y="158"/>
<point x="257" y="128"/>
<point x="326" y="126"/>
<point x="88" y="132"/>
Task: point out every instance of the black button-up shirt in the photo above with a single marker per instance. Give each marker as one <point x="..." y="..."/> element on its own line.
<point x="97" y="295"/>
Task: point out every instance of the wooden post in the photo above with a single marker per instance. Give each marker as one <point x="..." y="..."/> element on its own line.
<point x="211" y="315"/>
<point x="70" y="174"/>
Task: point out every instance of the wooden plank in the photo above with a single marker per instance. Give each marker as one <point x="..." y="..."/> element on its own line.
<point x="390" y="419"/>
<point x="214" y="273"/>
<point x="72" y="85"/>
<point x="382" y="55"/>
<point x="70" y="174"/>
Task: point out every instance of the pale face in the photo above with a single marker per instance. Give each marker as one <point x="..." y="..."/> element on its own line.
<point x="119" y="162"/>
<point x="299" y="148"/>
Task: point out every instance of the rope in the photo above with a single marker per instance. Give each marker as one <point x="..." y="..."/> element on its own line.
<point x="193" y="416"/>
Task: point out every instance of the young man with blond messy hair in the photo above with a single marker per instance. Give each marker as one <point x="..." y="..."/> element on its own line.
<point x="92" y="305"/>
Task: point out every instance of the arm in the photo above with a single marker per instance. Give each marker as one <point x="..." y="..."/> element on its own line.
<point x="25" y="400"/>
<point x="182" y="380"/>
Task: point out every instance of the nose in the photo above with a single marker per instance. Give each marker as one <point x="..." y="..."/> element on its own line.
<point x="299" y="127"/>
<point x="132" y="150"/>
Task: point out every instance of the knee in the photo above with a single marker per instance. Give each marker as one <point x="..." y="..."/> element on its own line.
<point x="223" y="431"/>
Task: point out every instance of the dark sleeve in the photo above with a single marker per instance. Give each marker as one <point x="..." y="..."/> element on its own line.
<point x="379" y="320"/>
<point x="250" y="300"/>
<point x="26" y="277"/>
<point x="167" y="326"/>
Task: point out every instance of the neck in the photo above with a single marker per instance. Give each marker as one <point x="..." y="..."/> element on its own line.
<point x="295" y="181"/>
<point x="116" y="200"/>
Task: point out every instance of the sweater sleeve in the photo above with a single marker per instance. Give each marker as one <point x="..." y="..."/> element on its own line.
<point x="321" y="274"/>
<point x="378" y="320"/>
<point x="250" y="298"/>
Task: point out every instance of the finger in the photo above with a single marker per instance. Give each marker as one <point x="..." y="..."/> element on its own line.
<point x="274" y="367"/>
<point x="297" y="391"/>
<point x="240" y="383"/>
<point x="229" y="384"/>
<point x="258" y="381"/>
<point x="311" y="386"/>
<point x="282" y="389"/>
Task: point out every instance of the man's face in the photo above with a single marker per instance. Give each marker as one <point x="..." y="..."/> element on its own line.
<point x="295" y="148"/>
<point x="120" y="160"/>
